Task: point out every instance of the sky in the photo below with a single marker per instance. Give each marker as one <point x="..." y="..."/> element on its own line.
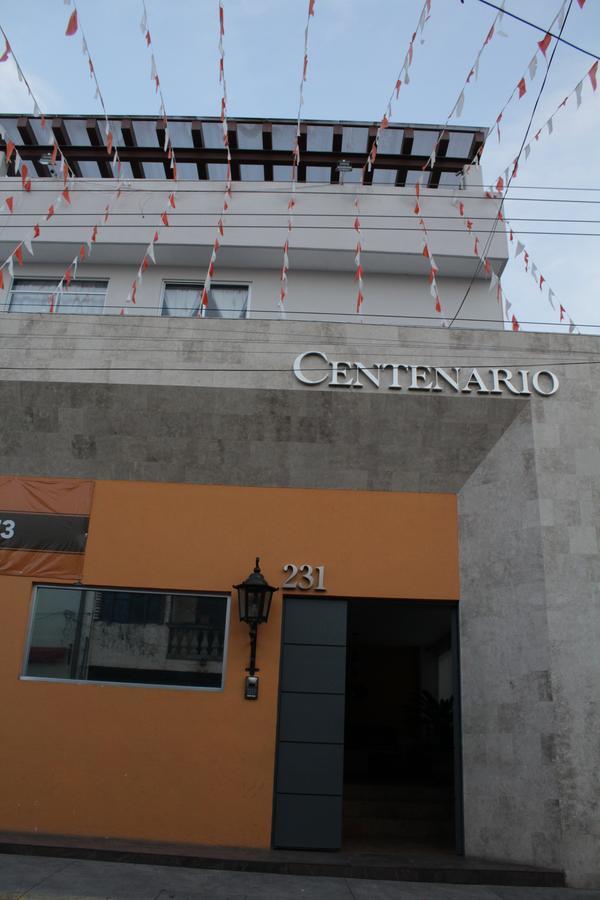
<point x="355" y="54"/>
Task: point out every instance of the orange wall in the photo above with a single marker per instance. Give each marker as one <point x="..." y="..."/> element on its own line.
<point x="183" y="765"/>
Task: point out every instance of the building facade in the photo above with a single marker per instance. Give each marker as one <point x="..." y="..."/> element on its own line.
<point x="424" y="498"/>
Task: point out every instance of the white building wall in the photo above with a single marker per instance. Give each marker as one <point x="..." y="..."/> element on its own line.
<point x="322" y="246"/>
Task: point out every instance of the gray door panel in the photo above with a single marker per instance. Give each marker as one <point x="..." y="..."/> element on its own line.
<point x="308" y="822"/>
<point x="313" y="670"/>
<point x="310" y="768"/>
<point x="310" y="750"/>
<point x="311" y="717"/>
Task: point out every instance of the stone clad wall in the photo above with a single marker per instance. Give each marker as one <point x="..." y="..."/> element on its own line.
<point x="526" y="469"/>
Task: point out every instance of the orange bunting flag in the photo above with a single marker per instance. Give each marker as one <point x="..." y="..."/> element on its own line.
<point x="155" y="238"/>
<point x="10" y="148"/>
<point x="426" y="251"/>
<point x="145" y="263"/>
<point x="50" y="212"/>
<point x="438" y="305"/>
<point x="522" y="87"/>
<point x="172" y="200"/>
<point x="476" y="246"/>
<point x="66" y="195"/>
<point x="461" y="208"/>
<point x="359" y="273"/>
<point x="72" y="24"/>
<point x="221" y="20"/>
<point x="36" y="230"/>
<point x="10" y="203"/>
<point x="204" y="297"/>
<point x="165" y="219"/>
<point x="515" y="324"/>
<point x="221" y="227"/>
<point x="384" y="122"/>
<point x="562" y="312"/>
<point x="357" y="224"/>
<point x="417" y="209"/>
<point x="500" y="184"/>
<point x="54" y="153"/>
<point x="109" y="142"/>
<point x="6" y="53"/>
<point x="469" y="225"/>
<point x="133" y="290"/>
<point x="545" y="43"/>
<point x="311" y="7"/>
<point x="359" y="300"/>
<point x="19" y="254"/>
<point x="94" y="234"/>
<point x="593" y="73"/>
<point x="581" y="3"/>
<point x="68" y="276"/>
<point x="82" y="252"/>
<point x="24" y="171"/>
<point x="106" y="213"/>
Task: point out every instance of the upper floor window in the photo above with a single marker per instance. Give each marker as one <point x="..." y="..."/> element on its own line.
<point x="225" y="301"/>
<point x="29" y="295"/>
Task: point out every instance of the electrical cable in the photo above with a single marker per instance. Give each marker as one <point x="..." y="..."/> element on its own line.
<point x="157" y="320"/>
<point x="540" y="28"/>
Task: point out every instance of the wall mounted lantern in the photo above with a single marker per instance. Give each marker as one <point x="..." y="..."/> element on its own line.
<point x="254" y="603"/>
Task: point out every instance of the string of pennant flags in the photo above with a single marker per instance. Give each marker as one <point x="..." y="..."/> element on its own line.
<point x="403" y="77"/>
<point x="58" y="162"/>
<point x="517" y="248"/>
<point x="227" y="194"/>
<point x="591" y="75"/>
<point x="283" y="286"/>
<point x="149" y="254"/>
<point x="73" y="27"/>
<point x="520" y="88"/>
<point x="471" y="77"/>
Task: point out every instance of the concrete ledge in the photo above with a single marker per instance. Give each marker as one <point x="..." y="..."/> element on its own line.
<point x="413" y="864"/>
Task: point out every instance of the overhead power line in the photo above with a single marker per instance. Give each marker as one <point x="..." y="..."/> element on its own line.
<point x="541" y="29"/>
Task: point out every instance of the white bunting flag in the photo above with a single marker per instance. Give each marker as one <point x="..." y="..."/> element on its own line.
<point x="532" y="68"/>
<point x="519" y="248"/>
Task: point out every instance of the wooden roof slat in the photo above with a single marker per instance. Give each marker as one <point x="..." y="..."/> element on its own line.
<point x="64" y="142"/>
<point x="198" y="142"/>
<point x="336" y="149"/>
<point x="28" y="135"/>
<point x="93" y="132"/>
<point x="127" y="130"/>
<point x="267" y="142"/>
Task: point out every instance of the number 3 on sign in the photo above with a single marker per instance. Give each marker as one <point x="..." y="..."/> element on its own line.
<point x="7" y="527"/>
<point x="303" y="578"/>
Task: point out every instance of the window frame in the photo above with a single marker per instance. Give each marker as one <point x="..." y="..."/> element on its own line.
<point x="177" y="282"/>
<point x="127" y="684"/>
<point x="57" y="311"/>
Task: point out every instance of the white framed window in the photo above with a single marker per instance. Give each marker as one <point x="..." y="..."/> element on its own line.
<point x="133" y="637"/>
<point x="225" y="301"/>
<point x="82" y="296"/>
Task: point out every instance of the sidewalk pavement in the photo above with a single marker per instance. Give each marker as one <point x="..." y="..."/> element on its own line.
<point x="49" y="878"/>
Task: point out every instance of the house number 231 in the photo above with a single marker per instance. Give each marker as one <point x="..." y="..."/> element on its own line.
<point x="304" y="577"/>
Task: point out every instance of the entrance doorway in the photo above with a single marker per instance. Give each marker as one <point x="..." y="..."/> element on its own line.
<point x="399" y="743"/>
<point x="367" y="756"/>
